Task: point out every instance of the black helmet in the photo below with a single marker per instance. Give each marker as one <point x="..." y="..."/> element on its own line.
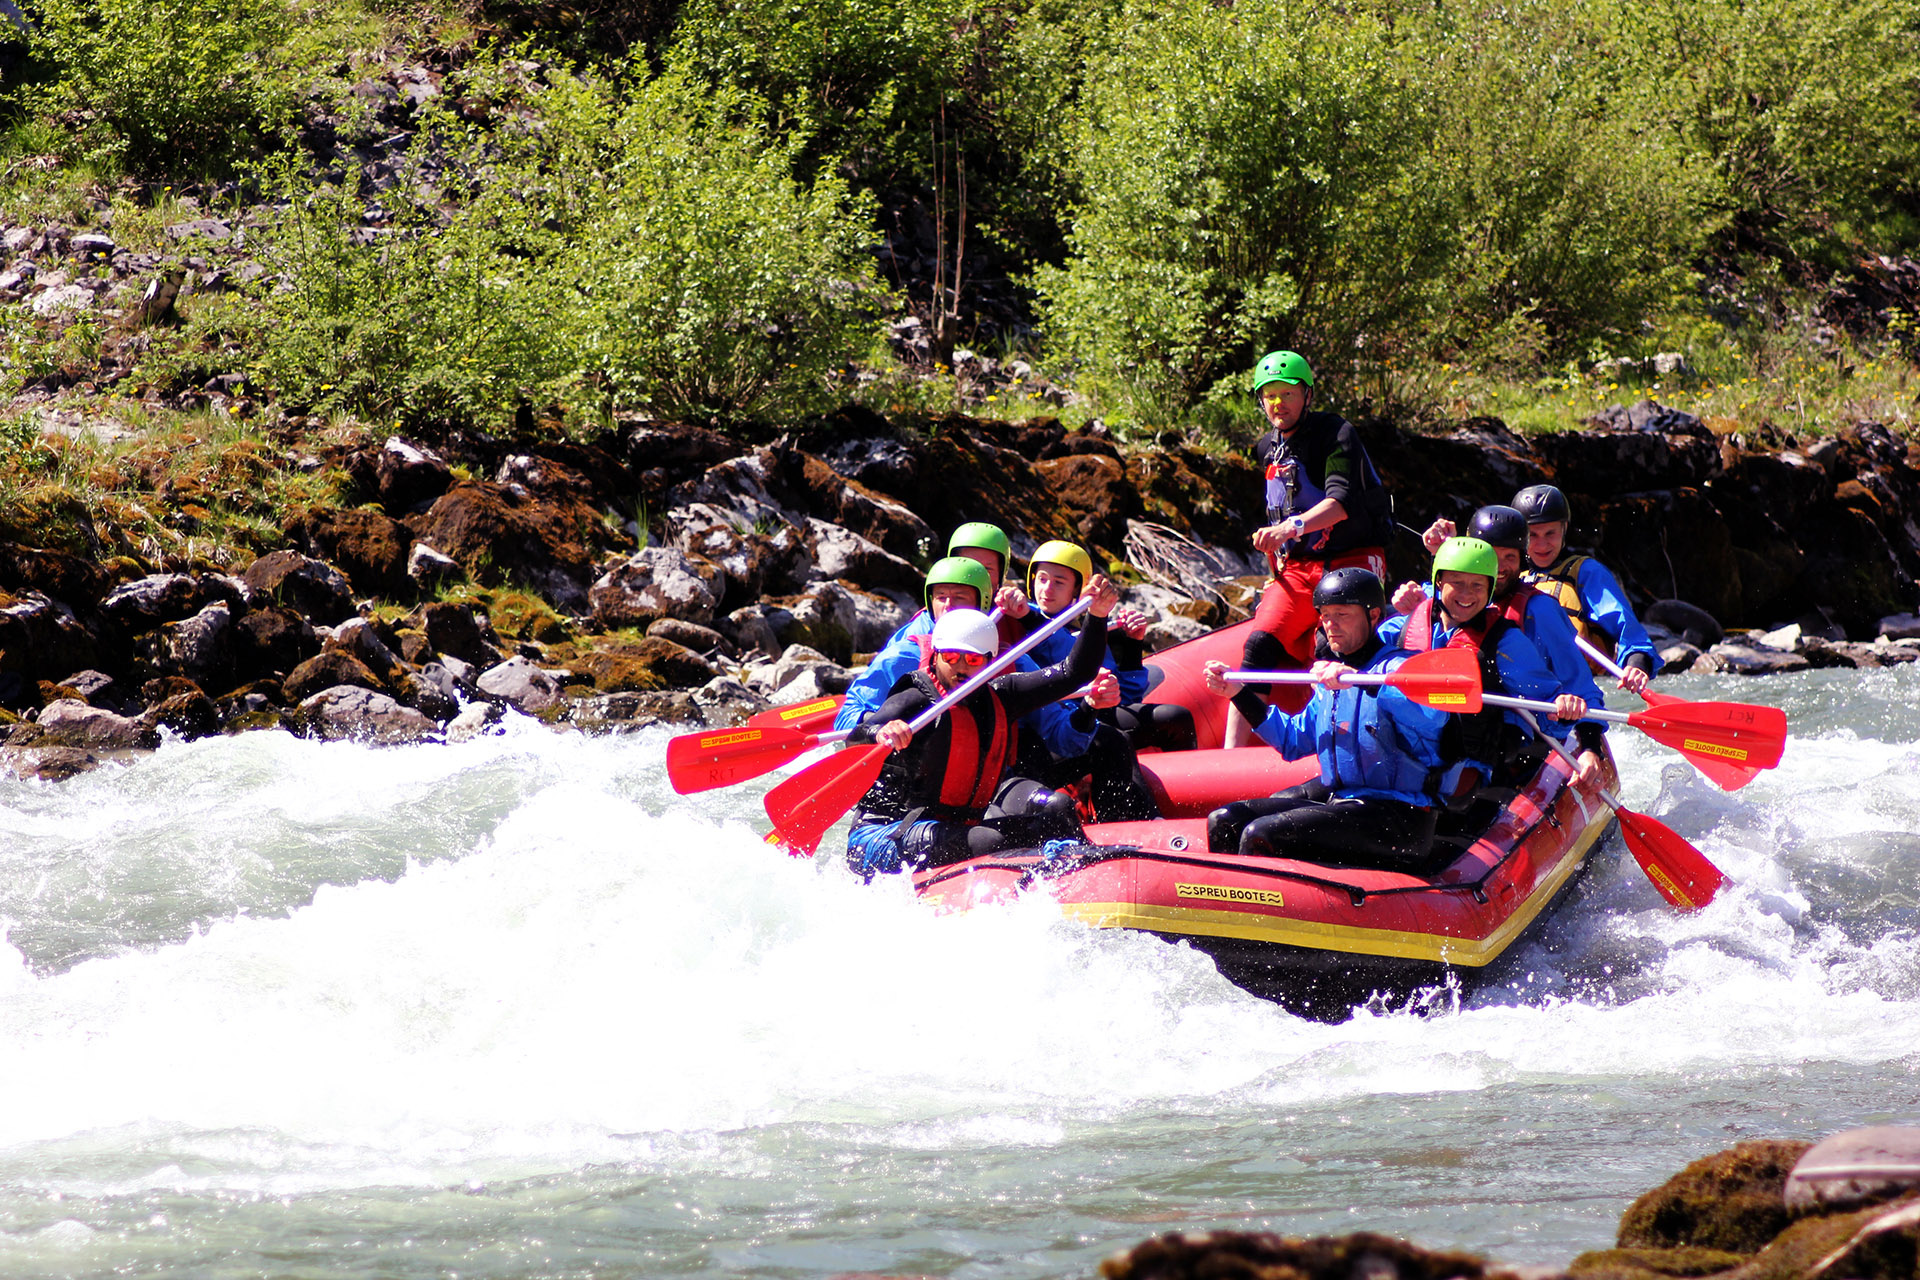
<point x="1542" y="504"/>
<point x="1349" y="586"/>
<point x="1499" y="527"/>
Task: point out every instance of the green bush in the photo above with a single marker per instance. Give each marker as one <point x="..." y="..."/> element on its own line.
<point x="1806" y="112"/>
<point x="181" y="84"/>
<point x="1245" y="183"/>
<point x="426" y="318"/>
<point x="707" y="280"/>
<point x="1577" y="213"/>
<point x="647" y="254"/>
<point x="862" y="80"/>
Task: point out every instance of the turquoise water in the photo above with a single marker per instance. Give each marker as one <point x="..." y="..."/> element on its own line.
<point x="514" y="1009"/>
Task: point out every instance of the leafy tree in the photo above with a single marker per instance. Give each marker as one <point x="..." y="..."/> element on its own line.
<point x="1577" y="211"/>
<point x="164" y="84"/>
<point x="650" y="252"/>
<point x="1246" y="181"/>
<point x="1807" y="113"/>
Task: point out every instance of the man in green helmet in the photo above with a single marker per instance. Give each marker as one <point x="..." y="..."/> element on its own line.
<point x="1326" y="509"/>
<point x="964" y="581"/>
<point x="987" y="545"/>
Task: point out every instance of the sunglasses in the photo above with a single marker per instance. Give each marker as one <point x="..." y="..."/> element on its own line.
<point x="961" y="658"/>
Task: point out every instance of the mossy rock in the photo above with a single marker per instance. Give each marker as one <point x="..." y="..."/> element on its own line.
<point x="1877" y="1255"/>
<point x="520" y="615"/>
<point x="638" y="667"/>
<point x="1731" y="1201"/>
<point x="1206" y="612"/>
<point x="1650" y="1264"/>
<point x="248" y="720"/>
<point x="830" y="638"/>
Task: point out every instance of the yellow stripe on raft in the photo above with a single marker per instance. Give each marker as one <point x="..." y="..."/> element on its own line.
<point x="1466" y="952"/>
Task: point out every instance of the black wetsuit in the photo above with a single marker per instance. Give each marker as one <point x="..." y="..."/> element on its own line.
<point x="912" y="816"/>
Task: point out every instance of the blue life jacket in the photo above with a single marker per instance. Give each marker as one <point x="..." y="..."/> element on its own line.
<point x="1372" y="741"/>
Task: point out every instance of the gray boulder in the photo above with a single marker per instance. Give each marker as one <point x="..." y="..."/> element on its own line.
<point x="1687" y="621"/>
<point x="796" y="661"/>
<point x="68" y="723"/>
<point x="1748" y="660"/>
<point x="657" y="582"/>
<point x="691" y="635"/>
<point x="358" y="638"/>
<point x="425" y="565"/>
<point x="768" y="555"/>
<point x="1678" y="656"/>
<point x="313" y="587"/>
<point x="46" y="764"/>
<point x="42" y="639"/>
<point x="147" y="602"/>
<point x="757" y="628"/>
<point x="407" y="474"/>
<point x="364" y="715"/>
<point x="1900" y="626"/>
<point x="521" y="683"/>
<point x="1171" y="629"/>
<point x="472" y="721"/>
<point x="1855" y="1168"/>
<point x="200" y="648"/>
<point x="841" y="553"/>
<point x="725" y="701"/>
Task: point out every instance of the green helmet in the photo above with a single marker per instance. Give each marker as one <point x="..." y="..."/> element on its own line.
<point x="983" y="537"/>
<point x="1282" y="366"/>
<point x="987" y="537"/>
<point x="1466" y="555"/>
<point x="960" y="572"/>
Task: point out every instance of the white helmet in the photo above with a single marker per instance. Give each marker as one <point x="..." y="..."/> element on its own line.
<point x="967" y="630"/>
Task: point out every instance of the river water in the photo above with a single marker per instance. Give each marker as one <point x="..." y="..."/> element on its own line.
<point x="514" y="1009"/>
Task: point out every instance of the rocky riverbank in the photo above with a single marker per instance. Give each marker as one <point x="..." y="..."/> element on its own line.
<point x="1765" y="1210"/>
<point x="682" y="573"/>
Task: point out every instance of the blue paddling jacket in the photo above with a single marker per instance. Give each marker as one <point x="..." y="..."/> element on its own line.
<point x="1374" y="742"/>
<point x="1124" y="654"/>
<point x="1596" y="606"/>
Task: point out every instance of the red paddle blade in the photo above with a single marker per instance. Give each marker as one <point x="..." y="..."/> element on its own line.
<point x="1444" y="679"/>
<point x="1728" y="741"/>
<point x="1679" y="871"/>
<point x="805" y="805"/>
<point x="719" y="757"/>
<point x="1654" y="698"/>
<point x="808" y="717"/>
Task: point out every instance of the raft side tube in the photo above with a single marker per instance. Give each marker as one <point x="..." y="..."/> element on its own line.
<point x="1192" y="784"/>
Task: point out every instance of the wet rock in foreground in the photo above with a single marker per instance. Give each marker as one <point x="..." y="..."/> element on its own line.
<point x="1264" y="1255"/>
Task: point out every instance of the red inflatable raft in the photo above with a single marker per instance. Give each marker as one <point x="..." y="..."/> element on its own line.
<point x="1318" y="939"/>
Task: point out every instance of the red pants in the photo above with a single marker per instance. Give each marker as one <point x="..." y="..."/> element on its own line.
<point x="1287" y="614"/>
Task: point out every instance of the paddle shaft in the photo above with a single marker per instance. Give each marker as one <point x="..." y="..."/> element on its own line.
<point x="805" y="805"/>
<point x="840" y="735"/>
<point x="1613" y="668"/>
<point x="1680" y="873"/>
<point x="1528" y="704"/>
<point x="1613" y="801"/>
<point x="1298" y="677"/>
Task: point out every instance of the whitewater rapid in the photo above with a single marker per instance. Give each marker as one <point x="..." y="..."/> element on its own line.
<point x="355" y="988"/>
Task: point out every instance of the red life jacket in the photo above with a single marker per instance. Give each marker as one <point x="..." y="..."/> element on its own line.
<point x="1477" y="736"/>
<point x="973" y="767"/>
<point x="1514" y="608"/>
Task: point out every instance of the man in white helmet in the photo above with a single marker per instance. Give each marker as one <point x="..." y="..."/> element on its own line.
<point x="943" y="794"/>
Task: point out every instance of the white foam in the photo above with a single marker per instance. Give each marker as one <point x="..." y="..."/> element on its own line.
<point x="340" y="966"/>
